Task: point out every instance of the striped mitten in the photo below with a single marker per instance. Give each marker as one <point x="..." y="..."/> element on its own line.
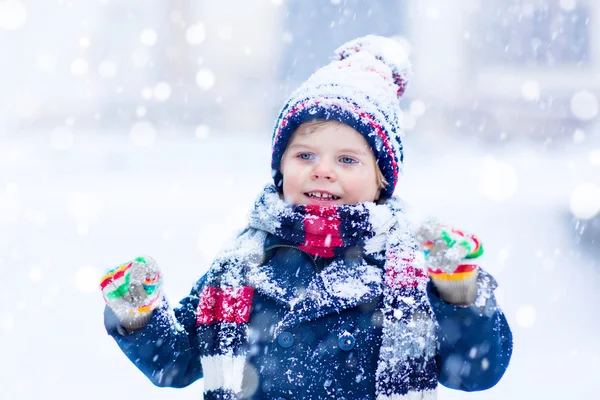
<point x="449" y="256"/>
<point x="133" y="290"/>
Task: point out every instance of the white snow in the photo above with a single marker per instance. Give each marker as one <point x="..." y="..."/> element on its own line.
<point x="568" y="5"/>
<point x="13" y="14"/>
<point x="61" y="138"/>
<point x="526" y="316"/>
<point x="140" y="57"/>
<point x="578" y="136"/>
<point x="148" y="37"/>
<point x="86" y="278"/>
<point x="84" y="42"/>
<point x="127" y="196"/>
<point x="8" y="323"/>
<point x="341" y="284"/>
<point x="143" y="134"/>
<point x="584" y="105"/>
<point x="205" y="78"/>
<point x="140" y="111"/>
<point x="107" y="69"/>
<point x="35" y="274"/>
<point x="162" y="91"/>
<point x="585" y="200"/>
<point x="498" y="180"/>
<point x="432" y="12"/>
<point x="531" y="90"/>
<point x="417" y="108"/>
<point x="202" y="131"/>
<point x="594" y="157"/>
<point x="195" y="34"/>
<point x="79" y="67"/>
<point x="46" y="61"/>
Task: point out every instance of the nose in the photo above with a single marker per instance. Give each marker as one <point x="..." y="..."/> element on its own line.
<point x="324" y="169"/>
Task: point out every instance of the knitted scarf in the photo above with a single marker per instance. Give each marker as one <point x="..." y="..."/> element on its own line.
<point x="406" y="367"/>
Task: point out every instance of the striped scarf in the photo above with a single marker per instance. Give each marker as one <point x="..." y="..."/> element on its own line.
<point x="406" y="367"/>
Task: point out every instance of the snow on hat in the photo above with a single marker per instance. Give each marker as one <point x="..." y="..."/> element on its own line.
<point x="360" y="88"/>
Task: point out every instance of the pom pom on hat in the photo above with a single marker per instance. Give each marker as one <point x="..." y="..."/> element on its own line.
<point x="359" y="88"/>
<point x="388" y="51"/>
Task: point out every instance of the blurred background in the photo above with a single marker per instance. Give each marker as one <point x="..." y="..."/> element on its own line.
<point x="132" y="128"/>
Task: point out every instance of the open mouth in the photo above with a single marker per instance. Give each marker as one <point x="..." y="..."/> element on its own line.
<point x="321" y="196"/>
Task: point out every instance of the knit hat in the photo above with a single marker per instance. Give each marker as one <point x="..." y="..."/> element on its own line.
<point x="361" y="88"/>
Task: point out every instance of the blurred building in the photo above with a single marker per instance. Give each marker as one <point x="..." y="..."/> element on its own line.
<point x="508" y="68"/>
<point x="497" y="68"/>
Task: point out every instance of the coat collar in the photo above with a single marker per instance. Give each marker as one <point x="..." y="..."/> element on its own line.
<point x="295" y="279"/>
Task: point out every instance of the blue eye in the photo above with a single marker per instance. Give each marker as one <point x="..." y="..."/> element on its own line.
<point x="348" y="160"/>
<point x="305" y="156"/>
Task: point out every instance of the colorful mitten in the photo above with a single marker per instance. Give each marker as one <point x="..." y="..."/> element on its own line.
<point x="132" y="290"/>
<point x="448" y="256"/>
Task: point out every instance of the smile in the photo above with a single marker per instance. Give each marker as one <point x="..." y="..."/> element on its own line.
<point x="321" y="196"/>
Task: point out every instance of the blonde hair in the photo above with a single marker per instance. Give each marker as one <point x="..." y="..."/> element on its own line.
<point x="381" y="181"/>
<point x="317" y="124"/>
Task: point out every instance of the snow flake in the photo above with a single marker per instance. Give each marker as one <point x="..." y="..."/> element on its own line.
<point x="148" y="37"/>
<point x="84" y="42"/>
<point x="485" y="364"/>
<point x="584" y="105"/>
<point x="205" y="79"/>
<point x="162" y="91"/>
<point x="147" y="93"/>
<point x="13" y="14"/>
<point x="35" y="274"/>
<point x="594" y="157"/>
<point x="526" y="316"/>
<point x="417" y="108"/>
<point x="195" y="34"/>
<point x="531" y="90"/>
<point x="585" y="200"/>
<point x="568" y="5"/>
<point x="578" y="136"/>
<point x="79" y="67"/>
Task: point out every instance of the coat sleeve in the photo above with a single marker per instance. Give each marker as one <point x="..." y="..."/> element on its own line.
<point x="166" y="349"/>
<point x="475" y="342"/>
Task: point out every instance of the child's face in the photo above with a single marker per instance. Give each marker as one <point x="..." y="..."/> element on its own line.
<point x="330" y="159"/>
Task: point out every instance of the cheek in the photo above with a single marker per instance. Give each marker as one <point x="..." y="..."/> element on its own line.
<point x="291" y="175"/>
<point x="366" y="185"/>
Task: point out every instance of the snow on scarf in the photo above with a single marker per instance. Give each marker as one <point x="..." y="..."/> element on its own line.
<point x="406" y="367"/>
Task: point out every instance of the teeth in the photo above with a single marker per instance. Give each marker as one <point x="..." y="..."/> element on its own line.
<point x="321" y="195"/>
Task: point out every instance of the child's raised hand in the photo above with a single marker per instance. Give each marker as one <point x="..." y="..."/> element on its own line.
<point x="446" y="248"/>
<point x="449" y="256"/>
<point x="133" y="290"/>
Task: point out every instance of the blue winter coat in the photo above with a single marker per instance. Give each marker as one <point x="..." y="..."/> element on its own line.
<point x="318" y="353"/>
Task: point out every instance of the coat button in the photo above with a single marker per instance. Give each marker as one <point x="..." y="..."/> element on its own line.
<point x="286" y="339"/>
<point x="346" y="342"/>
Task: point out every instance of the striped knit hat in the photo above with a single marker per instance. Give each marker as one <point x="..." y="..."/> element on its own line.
<point x="360" y="88"/>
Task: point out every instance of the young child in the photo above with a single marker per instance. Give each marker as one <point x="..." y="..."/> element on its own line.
<point x="325" y="293"/>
